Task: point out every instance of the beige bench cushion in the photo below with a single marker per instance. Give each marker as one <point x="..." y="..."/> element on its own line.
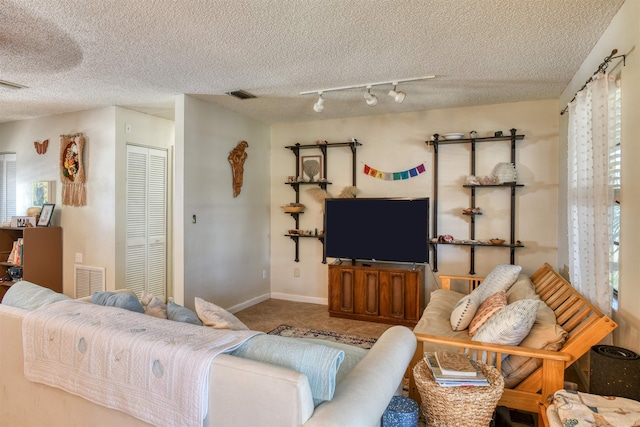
<point x="435" y="319"/>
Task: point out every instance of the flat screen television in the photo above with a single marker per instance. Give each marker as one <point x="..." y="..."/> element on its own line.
<point x="383" y="229"/>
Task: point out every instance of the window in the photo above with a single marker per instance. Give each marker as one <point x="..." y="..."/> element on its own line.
<point x="614" y="180"/>
<point x="7" y="186"/>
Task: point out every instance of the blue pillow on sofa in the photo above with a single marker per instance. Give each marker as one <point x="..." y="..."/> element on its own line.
<point x="179" y="313"/>
<point x="113" y="299"/>
<point x="29" y="296"/>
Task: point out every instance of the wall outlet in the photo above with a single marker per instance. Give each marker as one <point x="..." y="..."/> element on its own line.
<point x="127" y="128"/>
<point x="78" y="257"/>
<point x="296" y="272"/>
<point x="264" y="274"/>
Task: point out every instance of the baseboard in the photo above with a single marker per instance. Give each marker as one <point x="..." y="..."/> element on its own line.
<point x="299" y="298"/>
<point x="249" y="303"/>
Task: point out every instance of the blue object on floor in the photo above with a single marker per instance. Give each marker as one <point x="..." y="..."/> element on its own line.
<point x="401" y="412"/>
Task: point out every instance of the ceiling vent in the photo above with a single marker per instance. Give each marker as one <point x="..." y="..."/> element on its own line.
<point x="241" y="94"/>
<point x="10" y="85"/>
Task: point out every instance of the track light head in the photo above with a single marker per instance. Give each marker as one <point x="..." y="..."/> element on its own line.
<point x="318" y="107"/>
<point x="370" y="98"/>
<point x="397" y="96"/>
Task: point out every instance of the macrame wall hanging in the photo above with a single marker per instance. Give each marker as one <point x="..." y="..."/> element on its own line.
<point x="72" y="173"/>
<point x="394" y="176"/>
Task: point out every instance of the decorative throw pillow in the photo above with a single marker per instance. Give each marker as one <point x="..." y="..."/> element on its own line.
<point x="29" y="296"/>
<point x="510" y="325"/>
<point x="487" y="309"/>
<point x="153" y="306"/>
<point x="500" y="279"/>
<point x="217" y="317"/>
<point x="179" y="313"/>
<point x="523" y="288"/>
<point x="464" y="311"/>
<point x="113" y="299"/>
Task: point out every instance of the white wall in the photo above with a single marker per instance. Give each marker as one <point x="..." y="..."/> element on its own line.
<point x="226" y="253"/>
<point x="88" y="229"/>
<point x="397" y="142"/>
<point x="623" y="34"/>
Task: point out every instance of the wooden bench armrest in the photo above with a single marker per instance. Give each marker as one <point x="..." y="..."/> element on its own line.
<point x="445" y="281"/>
<point x="494" y="348"/>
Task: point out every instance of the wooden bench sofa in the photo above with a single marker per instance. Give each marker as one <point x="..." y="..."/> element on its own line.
<point x="585" y="324"/>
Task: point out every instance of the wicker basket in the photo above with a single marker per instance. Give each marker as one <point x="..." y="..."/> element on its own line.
<point x="458" y="406"/>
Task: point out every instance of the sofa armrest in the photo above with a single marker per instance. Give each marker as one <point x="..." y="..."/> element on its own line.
<point x="362" y="397"/>
<point x="245" y="392"/>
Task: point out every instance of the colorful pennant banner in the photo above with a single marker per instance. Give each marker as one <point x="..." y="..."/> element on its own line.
<point x="394" y="176"/>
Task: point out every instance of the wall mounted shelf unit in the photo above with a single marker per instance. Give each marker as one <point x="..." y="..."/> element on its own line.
<point x="472" y="243"/>
<point x="323" y="148"/>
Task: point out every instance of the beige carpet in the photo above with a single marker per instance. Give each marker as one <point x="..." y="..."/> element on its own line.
<point x="272" y="313"/>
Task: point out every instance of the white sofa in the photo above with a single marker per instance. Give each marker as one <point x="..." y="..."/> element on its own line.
<point x="241" y="392"/>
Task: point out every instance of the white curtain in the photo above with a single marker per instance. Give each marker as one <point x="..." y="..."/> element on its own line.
<point x="590" y="196"/>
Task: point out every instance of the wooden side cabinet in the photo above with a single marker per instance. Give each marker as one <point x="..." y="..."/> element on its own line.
<point x="41" y="255"/>
<point x="386" y="293"/>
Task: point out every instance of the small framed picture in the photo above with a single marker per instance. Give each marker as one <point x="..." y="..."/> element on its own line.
<point x="311" y="169"/>
<point x="45" y="215"/>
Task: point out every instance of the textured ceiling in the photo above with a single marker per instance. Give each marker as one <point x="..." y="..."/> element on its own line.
<point x="82" y="54"/>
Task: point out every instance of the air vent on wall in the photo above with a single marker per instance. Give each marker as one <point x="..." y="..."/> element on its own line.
<point x="241" y="94"/>
<point x="88" y="280"/>
<point x="11" y="85"/>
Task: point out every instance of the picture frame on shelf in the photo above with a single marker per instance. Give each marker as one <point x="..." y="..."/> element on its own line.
<point x="311" y="168"/>
<point x="46" y="214"/>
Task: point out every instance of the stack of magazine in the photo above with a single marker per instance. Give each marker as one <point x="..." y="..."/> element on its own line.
<point x="454" y="370"/>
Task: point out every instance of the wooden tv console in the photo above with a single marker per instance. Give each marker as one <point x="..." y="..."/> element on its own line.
<point x="377" y="292"/>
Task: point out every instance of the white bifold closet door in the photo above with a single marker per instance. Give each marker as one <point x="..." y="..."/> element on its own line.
<point x="146" y="217"/>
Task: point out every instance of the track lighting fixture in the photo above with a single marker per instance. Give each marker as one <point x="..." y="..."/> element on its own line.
<point x="370" y="99"/>
<point x="397" y="96"/>
<point x="318" y="107"/>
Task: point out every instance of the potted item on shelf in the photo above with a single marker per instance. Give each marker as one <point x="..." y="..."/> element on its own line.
<point x="496" y="241"/>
